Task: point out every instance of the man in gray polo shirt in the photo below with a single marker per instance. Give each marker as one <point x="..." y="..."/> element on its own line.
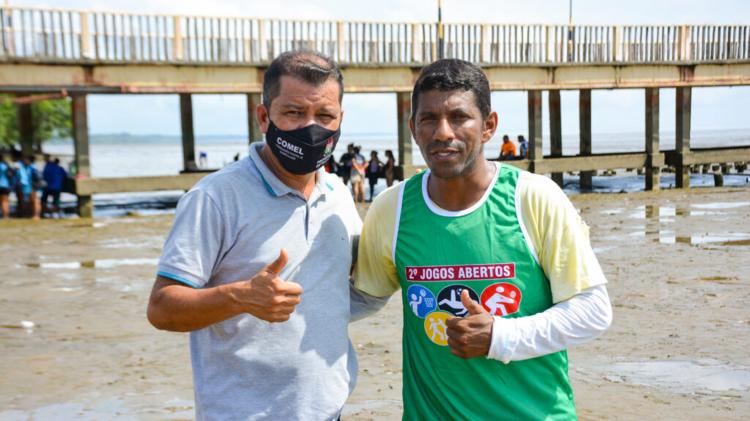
<point x="257" y="264"/>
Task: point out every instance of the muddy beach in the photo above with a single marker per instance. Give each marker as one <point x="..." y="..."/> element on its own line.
<point x="75" y="343"/>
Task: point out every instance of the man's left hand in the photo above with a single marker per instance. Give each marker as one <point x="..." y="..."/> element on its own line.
<point x="470" y="336"/>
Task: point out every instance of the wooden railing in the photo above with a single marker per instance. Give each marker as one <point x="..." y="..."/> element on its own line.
<point x="73" y="35"/>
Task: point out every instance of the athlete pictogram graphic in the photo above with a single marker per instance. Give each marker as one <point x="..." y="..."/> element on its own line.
<point x="501" y="299"/>
<point x="436" y="328"/>
<point x="414" y="302"/>
<point x="421" y="300"/>
<point x="449" y="299"/>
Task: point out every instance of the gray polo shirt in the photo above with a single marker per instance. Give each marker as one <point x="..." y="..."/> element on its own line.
<point x="228" y="227"/>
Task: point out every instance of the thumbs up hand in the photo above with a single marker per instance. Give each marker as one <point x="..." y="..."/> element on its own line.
<point x="265" y="295"/>
<point x="470" y="336"/>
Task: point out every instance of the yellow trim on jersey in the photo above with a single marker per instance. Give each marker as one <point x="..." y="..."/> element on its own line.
<point x="558" y="235"/>
<point x="375" y="272"/>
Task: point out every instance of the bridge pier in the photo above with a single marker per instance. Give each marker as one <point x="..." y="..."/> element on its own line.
<point x="555" y="128"/>
<point x="584" y="121"/>
<point x="253" y="128"/>
<point x="652" y="138"/>
<point x="81" y="152"/>
<point x="682" y="139"/>
<point x="25" y="128"/>
<point x="188" y="133"/>
<point x="403" y="110"/>
<point x="535" y="129"/>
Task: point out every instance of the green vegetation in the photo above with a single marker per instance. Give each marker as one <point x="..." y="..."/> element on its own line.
<point x="50" y="119"/>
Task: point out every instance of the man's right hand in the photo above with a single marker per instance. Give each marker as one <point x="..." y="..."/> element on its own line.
<point x="265" y="295"/>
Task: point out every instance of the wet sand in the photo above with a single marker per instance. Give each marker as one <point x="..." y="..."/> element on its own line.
<point x="678" y="270"/>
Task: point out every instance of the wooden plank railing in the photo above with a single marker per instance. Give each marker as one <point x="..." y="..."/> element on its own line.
<point x="77" y="35"/>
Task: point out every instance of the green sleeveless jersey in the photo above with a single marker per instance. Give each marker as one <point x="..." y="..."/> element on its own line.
<point x="484" y="251"/>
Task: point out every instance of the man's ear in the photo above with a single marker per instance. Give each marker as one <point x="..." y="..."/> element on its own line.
<point x="490" y="126"/>
<point x="411" y="127"/>
<point x="261" y="115"/>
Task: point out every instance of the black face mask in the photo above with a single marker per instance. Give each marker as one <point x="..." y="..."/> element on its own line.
<point x="304" y="150"/>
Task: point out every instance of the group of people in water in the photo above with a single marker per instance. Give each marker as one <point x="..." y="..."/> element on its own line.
<point x="33" y="188"/>
<point x="353" y="168"/>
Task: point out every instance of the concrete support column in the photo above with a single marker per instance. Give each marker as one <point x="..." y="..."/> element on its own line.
<point x="403" y="110"/>
<point x="81" y="151"/>
<point x="652" y="138"/>
<point x="584" y="121"/>
<point x="555" y="128"/>
<point x="535" y="128"/>
<point x="682" y="140"/>
<point x="253" y="128"/>
<point x="25" y="129"/>
<point x="188" y="133"/>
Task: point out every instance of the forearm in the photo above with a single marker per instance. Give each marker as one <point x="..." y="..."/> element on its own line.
<point x="571" y="322"/>
<point x="180" y="308"/>
<point x="362" y="304"/>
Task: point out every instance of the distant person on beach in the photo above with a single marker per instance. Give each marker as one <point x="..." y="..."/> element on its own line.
<point x="6" y="175"/>
<point x="507" y="149"/>
<point x="19" y="183"/>
<point x="374" y="172"/>
<point x="54" y="177"/>
<point x="345" y="163"/>
<point x="331" y="166"/>
<point x="523" y="147"/>
<point x="510" y="241"/>
<point x="37" y="186"/>
<point x="24" y="185"/>
<point x="357" y="175"/>
<point x="390" y="168"/>
<point x="257" y="263"/>
<point x="202" y="159"/>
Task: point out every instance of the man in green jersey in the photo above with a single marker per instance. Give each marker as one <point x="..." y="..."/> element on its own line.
<point x="496" y="271"/>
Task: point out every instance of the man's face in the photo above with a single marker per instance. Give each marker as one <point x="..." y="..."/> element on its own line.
<point x="450" y="131"/>
<point x="300" y="104"/>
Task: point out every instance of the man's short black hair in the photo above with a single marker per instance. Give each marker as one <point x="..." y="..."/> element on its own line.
<point x="308" y="66"/>
<point x="453" y="74"/>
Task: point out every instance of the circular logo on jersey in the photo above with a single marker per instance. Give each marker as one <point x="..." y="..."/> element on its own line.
<point x="421" y="300"/>
<point x="436" y="328"/>
<point x="449" y="299"/>
<point x="501" y="299"/>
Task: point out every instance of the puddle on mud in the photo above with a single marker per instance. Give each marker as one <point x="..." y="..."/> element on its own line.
<point x="669" y="236"/>
<point x="721" y="239"/>
<point x="155" y="242"/>
<point x="98" y="264"/>
<point x="602" y="249"/>
<point x="721" y="205"/>
<point x="682" y="376"/>
<point x="660" y="227"/>
<point x="667" y="213"/>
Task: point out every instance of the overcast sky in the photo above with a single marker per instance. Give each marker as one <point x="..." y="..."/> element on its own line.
<point x="613" y="111"/>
